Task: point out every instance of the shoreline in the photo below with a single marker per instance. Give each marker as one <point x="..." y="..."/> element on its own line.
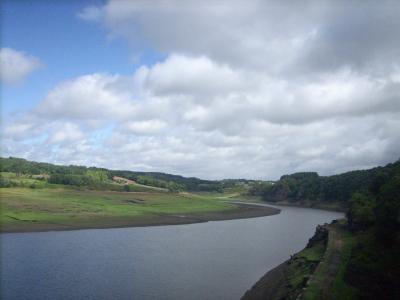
<point x="314" y="268"/>
<point x="277" y="283"/>
<point x="305" y="205"/>
<point x="242" y="211"/>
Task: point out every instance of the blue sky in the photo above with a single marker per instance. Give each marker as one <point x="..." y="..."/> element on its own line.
<point x="227" y="89"/>
<point x="67" y="45"/>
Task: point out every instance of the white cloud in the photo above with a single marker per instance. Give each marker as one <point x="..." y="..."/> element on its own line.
<point x="284" y="38"/>
<point x="205" y="119"/>
<point x="16" y="65"/>
<point x="66" y="132"/>
<point x="17" y="129"/>
<point x="90" y="13"/>
<point x="145" y="127"/>
<point x="198" y="76"/>
<point x="90" y="97"/>
<point x="246" y="89"/>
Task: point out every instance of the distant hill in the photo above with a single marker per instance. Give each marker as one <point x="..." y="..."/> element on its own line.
<point x="98" y="177"/>
<point x="309" y="187"/>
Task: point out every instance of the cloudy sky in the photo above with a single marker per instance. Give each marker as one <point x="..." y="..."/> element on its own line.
<point x="213" y="89"/>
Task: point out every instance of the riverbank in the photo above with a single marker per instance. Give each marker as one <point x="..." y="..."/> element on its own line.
<point x="185" y="262"/>
<point x="316" y="205"/>
<point x="316" y="272"/>
<point x="239" y="211"/>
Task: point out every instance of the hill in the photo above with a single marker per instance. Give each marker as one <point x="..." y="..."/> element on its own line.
<point x="356" y="258"/>
<point x="41" y="196"/>
<point x="310" y="189"/>
<point x="101" y="178"/>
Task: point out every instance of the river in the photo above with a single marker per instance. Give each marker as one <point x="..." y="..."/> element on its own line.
<point x="213" y="260"/>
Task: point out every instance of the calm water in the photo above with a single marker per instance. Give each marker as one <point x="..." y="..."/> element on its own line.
<point x="214" y="260"/>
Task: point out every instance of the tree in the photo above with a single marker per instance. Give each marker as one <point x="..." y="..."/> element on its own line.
<point x="360" y="213"/>
<point x="98" y="175"/>
<point x="387" y="210"/>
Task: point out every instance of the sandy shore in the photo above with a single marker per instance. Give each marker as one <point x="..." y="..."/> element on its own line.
<point x="242" y="211"/>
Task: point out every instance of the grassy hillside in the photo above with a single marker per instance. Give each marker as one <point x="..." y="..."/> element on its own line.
<point x="41" y="196"/>
<point x="92" y="198"/>
<point x="99" y="178"/>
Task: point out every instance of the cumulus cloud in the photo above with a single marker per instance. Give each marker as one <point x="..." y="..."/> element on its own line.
<point x="285" y="37"/>
<point x="245" y="89"/>
<point x="250" y="125"/>
<point x="89" y="97"/>
<point x="66" y="133"/>
<point x="145" y="127"/>
<point x="198" y="76"/>
<point x="16" y="65"/>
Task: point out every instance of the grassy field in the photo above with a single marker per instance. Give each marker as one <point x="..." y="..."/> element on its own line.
<point x="62" y="207"/>
<point x="31" y="203"/>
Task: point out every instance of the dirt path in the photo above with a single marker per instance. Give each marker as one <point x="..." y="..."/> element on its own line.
<point x="122" y="181"/>
<point x="328" y="268"/>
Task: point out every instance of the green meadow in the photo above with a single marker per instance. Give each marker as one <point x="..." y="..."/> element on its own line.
<point x="77" y="197"/>
<point x="55" y="206"/>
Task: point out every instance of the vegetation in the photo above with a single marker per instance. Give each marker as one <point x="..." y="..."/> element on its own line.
<point x="59" y="207"/>
<point x="361" y="259"/>
<point x="368" y="264"/>
<point x="303" y="265"/>
<point x="287" y="281"/>
<point x="360" y="262"/>
<point x="328" y="280"/>
<point x="100" y="178"/>
<point x="41" y="196"/>
<point x="374" y="219"/>
<point x="309" y="187"/>
<point x="373" y="268"/>
<point x="9" y="179"/>
<point x="360" y="213"/>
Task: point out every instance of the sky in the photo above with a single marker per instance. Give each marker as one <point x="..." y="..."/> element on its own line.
<point x="212" y="89"/>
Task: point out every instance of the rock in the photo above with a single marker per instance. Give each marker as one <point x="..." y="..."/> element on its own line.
<point x="320" y="235"/>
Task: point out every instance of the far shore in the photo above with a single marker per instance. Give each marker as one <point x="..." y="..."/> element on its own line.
<point x="307" y="205"/>
<point x="242" y="211"/>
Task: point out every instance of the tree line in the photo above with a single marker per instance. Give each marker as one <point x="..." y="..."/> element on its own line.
<point x="101" y="177"/>
<point x="371" y="197"/>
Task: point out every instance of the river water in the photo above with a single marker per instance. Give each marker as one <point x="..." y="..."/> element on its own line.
<point x="213" y="260"/>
